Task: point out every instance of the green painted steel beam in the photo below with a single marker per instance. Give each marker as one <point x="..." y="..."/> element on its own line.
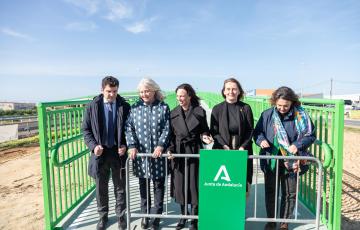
<point x="55" y="152"/>
<point x="41" y="111"/>
<point x="328" y="153"/>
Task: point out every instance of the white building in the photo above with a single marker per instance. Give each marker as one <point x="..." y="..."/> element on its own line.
<point x="16" y="106"/>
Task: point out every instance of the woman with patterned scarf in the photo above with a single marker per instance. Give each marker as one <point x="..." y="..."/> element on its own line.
<point x="284" y="129"/>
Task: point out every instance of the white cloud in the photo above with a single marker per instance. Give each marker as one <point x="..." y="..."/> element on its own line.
<point x="90" y="6"/>
<point x="81" y="26"/>
<point x="15" y="34"/>
<point x="118" y="10"/>
<point x="140" y="27"/>
<point x="126" y="13"/>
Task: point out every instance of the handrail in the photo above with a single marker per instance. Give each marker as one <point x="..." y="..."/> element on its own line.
<point x="328" y="153"/>
<point x="55" y="151"/>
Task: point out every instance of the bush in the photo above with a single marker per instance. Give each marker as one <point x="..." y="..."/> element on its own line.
<point x="25" y="112"/>
<point x="29" y="141"/>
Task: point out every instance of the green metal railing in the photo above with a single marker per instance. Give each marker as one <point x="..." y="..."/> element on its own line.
<point x="211" y="98"/>
<point x="328" y="118"/>
<point x="171" y="100"/>
<point x="64" y="156"/>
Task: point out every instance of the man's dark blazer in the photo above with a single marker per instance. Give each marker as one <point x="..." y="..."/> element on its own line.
<point x="219" y="129"/>
<point x="95" y="132"/>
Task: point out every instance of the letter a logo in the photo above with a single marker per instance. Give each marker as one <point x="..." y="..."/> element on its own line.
<point x="223" y="170"/>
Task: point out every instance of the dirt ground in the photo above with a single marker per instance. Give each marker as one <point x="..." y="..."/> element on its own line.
<point x="351" y="182"/>
<point x="21" y="203"/>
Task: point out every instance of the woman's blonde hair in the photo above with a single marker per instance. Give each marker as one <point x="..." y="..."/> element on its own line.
<point x="153" y="86"/>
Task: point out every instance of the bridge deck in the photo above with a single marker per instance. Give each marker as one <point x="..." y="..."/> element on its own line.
<point x="86" y="216"/>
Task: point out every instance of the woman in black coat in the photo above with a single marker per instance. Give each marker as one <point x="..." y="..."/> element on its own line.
<point x="232" y="123"/>
<point x="190" y="128"/>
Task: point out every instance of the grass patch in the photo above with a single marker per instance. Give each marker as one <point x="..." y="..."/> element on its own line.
<point x="29" y="141"/>
<point x="24" y="112"/>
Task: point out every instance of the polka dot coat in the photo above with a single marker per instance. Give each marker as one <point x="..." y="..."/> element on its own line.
<point x="147" y="127"/>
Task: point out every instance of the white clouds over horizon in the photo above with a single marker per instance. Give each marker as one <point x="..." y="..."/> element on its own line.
<point x="116" y="11"/>
<point x="16" y="34"/>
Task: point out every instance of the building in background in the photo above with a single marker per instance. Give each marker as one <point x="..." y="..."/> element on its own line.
<point x="353" y="97"/>
<point x="313" y="95"/>
<point x="7" y="106"/>
<point x="268" y="92"/>
<point x="260" y="92"/>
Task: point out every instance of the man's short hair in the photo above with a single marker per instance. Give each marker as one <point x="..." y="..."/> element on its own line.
<point x="109" y="80"/>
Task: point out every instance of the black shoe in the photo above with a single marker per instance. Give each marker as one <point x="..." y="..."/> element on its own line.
<point x="181" y="224"/>
<point x="155" y="224"/>
<point x="145" y="223"/>
<point x="122" y="223"/>
<point x="270" y="226"/>
<point x="101" y="225"/>
<point x="193" y="225"/>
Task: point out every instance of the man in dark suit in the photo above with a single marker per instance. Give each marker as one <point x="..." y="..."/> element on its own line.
<point x="103" y="129"/>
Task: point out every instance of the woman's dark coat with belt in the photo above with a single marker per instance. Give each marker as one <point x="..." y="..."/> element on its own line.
<point x="219" y="129"/>
<point x="186" y="140"/>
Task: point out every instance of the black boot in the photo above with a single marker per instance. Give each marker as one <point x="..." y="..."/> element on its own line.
<point x="122" y="223"/>
<point x="145" y="223"/>
<point x="181" y="224"/>
<point x="270" y="226"/>
<point x="193" y="225"/>
<point x="101" y="225"/>
<point x="155" y="224"/>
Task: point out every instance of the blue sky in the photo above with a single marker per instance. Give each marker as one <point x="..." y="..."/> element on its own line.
<point x="53" y="50"/>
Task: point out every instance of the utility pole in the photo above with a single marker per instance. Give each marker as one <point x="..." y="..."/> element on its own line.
<point x="331" y="87"/>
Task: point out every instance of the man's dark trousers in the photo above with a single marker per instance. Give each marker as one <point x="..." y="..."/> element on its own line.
<point x="109" y="162"/>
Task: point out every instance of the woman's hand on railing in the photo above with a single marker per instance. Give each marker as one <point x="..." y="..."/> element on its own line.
<point x="293" y="149"/>
<point x="132" y="153"/>
<point x="171" y="156"/>
<point x="294" y="167"/>
<point x="157" y="152"/>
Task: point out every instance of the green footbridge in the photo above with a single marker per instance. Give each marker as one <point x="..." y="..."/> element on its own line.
<point x="64" y="156"/>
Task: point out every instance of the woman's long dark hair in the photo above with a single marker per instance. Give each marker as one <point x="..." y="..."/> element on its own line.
<point x="194" y="99"/>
